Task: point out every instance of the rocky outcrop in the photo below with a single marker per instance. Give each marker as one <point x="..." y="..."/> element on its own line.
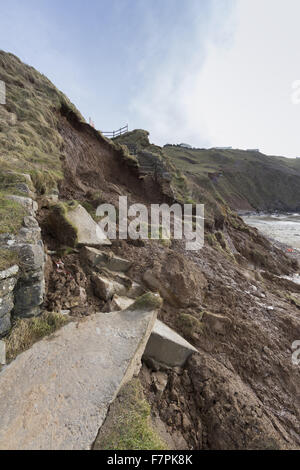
<point x="69" y="381"/>
<point x="167" y="348"/>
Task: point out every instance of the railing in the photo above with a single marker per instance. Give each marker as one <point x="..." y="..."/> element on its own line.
<point x="113" y="134"/>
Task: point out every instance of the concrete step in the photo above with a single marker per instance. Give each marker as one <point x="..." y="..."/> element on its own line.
<point x="167" y="347"/>
<point x="103" y="259"/>
<point x="56" y="395"/>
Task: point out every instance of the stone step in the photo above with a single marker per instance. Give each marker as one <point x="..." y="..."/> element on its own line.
<point x="167" y="347"/>
<point x="56" y="395"/>
<point x="103" y="259"/>
<point x="117" y="303"/>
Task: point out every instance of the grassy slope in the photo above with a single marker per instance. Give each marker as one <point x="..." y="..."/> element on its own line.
<point x="249" y="179"/>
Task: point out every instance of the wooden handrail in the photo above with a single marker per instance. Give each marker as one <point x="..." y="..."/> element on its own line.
<point x="116" y="133"/>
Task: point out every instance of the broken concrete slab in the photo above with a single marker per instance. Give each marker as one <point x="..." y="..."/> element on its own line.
<point x="167" y="347"/>
<point x="118" y="303"/>
<point x="74" y="226"/>
<point x="56" y="395"/>
<point x="104" y="259"/>
<point x="105" y="288"/>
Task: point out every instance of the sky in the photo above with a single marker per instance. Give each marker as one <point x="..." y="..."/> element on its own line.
<point x="204" y="72"/>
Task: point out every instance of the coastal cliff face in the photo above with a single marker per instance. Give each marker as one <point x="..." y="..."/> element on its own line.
<point x="245" y="180"/>
<point x="241" y="390"/>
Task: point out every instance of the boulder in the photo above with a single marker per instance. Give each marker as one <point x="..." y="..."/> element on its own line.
<point x="74" y="226"/>
<point x="69" y="382"/>
<point x="167" y="347"/>
<point x="103" y="259"/>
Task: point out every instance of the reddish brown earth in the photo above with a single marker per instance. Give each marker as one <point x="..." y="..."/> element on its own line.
<point x="241" y="391"/>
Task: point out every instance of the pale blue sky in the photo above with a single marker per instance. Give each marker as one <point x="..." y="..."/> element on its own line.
<point x="206" y="72"/>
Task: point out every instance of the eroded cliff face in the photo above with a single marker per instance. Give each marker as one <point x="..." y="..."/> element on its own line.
<point x="242" y="390"/>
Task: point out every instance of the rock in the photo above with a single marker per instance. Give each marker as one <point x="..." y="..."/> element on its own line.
<point x="103" y="259"/>
<point x="136" y="290"/>
<point x="105" y="288"/>
<point x="65" y="312"/>
<point x="160" y="380"/>
<point x="75" y="227"/>
<point x="7" y="286"/>
<point x="9" y="272"/>
<point x="178" y="281"/>
<point x="28" y="299"/>
<point x="218" y="323"/>
<point x="30" y="222"/>
<point x="5" y="324"/>
<point x="2" y="353"/>
<point x="29" y="204"/>
<point x="118" y="303"/>
<point x="6" y="304"/>
<point x="167" y="347"/>
<point x="31" y="257"/>
<point x="69" y="382"/>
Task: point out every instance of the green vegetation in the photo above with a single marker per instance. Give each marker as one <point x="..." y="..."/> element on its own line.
<point x="128" y="426"/>
<point x="29" y="138"/>
<point x="188" y="325"/>
<point x="8" y="258"/>
<point x="27" y="331"/>
<point x="11" y="214"/>
<point x="148" y="301"/>
<point x="293" y="300"/>
<point x="241" y="179"/>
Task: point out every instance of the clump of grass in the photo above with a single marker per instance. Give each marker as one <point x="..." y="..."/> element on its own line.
<point x="8" y="258"/>
<point x="188" y="325"/>
<point x="11" y="214"/>
<point x="293" y="300"/>
<point x="128" y="426"/>
<point x="148" y="301"/>
<point x="27" y="331"/>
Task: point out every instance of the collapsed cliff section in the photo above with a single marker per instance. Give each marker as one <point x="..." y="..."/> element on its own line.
<point x="240" y="391"/>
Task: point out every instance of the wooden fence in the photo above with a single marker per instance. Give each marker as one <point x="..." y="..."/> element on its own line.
<point x="113" y="134"/>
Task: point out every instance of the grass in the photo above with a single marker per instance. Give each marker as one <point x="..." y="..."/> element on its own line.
<point x="232" y="176"/>
<point x="188" y="325"/>
<point x="8" y="258"/>
<point x="25" y="332"/>
<point x="148" y="301"/>
<point x="32" y="144"/>
<point x="11" y="214"/>
<point x="128" y="425"/>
